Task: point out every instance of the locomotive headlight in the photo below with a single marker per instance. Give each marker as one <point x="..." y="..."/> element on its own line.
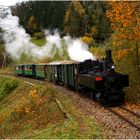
<point x="112" y="67"/>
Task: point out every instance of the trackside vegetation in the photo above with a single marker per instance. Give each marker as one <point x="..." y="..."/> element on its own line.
<point x="40" y="110"/>
<point x="7" y="86"/>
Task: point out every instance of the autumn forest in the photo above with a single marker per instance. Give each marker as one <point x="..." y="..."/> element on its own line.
<point x="99" y="24"/>
<point x="66" y="99"/>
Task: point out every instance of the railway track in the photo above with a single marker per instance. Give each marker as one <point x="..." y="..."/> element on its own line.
<point x="123" y="113"/>
<point x="130" y="117"/>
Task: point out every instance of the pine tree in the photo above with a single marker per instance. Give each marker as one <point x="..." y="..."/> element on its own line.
<point x="73" y="18"/>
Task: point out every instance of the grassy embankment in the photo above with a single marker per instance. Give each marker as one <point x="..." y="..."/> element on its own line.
<point x="36" y="110"/>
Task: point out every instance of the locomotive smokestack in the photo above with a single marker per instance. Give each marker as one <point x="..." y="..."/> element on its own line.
<point x="108" y="55"/>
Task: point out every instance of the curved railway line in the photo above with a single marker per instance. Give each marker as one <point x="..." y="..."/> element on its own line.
<point x="126" y="115"/>
<point x="129" y="116"/>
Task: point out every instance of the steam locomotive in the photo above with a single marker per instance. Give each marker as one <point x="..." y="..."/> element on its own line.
<point x="98" y="78"/>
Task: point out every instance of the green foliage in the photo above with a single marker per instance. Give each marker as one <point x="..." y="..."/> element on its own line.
<point x="39" y="35"/>
<point x="48" y="14"/>
<point x="7" y="86"/>
<point x="39" y="42"/>
<point x="1" y="53"/>
<point x="95" y="21"/>
<point x="24" y="59"/>
<point x="73" y="18"/>
<point x="76" y="17"/>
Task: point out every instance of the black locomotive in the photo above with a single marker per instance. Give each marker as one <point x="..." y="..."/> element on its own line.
<point x="106" y="85"/>
<point x="98" y="78"/>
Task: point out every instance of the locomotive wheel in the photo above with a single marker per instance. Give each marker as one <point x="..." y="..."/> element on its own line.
<point x="113" y="99"/>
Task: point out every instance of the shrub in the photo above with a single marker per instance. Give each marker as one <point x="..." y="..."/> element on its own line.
<point x="7" y="86"/>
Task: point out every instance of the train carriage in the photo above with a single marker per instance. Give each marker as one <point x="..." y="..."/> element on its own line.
<point x="68" y="73"/>
<point x="40" y="71"/>
<point x="71" y="75"/>
<point x="97" y="78"/>
<point x="53" y="72"/>
<point x="18" y="69"/>
<point x="29" y="70"/>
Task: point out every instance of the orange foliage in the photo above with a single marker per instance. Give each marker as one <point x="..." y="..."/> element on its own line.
<point x="125" y="19"/>
<point x="88" y="40"/>
<point x="122" y="53"/>
<point x="29" y="106"/>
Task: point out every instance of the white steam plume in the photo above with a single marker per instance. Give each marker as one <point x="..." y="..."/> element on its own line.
<point x="17" y="42"/>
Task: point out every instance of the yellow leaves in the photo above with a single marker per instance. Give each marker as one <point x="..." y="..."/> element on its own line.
<point x="24" y="99"/>
<point x="98" y="52"/>
<point x="27" y="110"/>
<point x="122" y="53"/>
<point x="2" y="117"/>
<point x="29" y="106"/>
<point x="124" y="17"/>
<point x="88" y="40"/>
<point x="33" y="93"/>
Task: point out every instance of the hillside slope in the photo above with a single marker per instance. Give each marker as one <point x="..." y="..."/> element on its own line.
<point x="35" y="109"/>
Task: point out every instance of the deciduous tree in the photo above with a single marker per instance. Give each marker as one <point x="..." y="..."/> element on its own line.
<point x="125" y="21"/>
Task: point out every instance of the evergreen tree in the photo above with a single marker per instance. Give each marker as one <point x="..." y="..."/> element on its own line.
<point x="73" y="18"/>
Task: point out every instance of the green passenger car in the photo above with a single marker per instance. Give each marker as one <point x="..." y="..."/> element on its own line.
<point x="71" y="75"/>
<point x="68" y="73"/>
<point x="50" y="75"/>
<point x="54" y="72"/>
<point x="40" y="71"/>
<point x="18" y="69"/>
<point x="29" y="70"/>
<point x="64" y="74"/>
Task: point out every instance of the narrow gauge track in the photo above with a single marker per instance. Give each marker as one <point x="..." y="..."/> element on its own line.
<point x="117" y="110"/>
<point x="135" y="114"/>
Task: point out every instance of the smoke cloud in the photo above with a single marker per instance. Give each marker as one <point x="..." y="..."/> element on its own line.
<point x="17" y="42"/>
